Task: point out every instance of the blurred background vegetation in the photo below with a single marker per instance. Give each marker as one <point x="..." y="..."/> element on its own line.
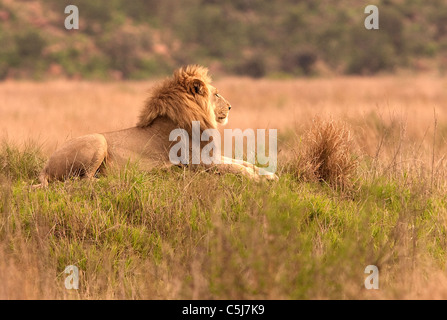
<point x="138" y="39"/>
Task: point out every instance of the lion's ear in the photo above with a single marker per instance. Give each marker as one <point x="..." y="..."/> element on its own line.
<point x="197" y="87"/>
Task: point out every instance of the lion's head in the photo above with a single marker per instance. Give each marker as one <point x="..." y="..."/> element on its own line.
<point x="221" y="106"/>
<point x="185" y="97"/>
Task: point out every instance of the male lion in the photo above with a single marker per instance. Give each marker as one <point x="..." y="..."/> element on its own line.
<point x="185" y="97"/>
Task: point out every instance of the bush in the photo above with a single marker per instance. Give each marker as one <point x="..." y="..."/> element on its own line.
<point x="374" y="52"/>
<point x="8" y="54"/>
<point x="300" y="61"/>
<point x="254" y="67"/>
<point x="125" y="49"/>
<point x="30" y="44"/>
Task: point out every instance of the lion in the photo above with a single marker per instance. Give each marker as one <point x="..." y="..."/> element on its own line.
<point x="176" y="102"/>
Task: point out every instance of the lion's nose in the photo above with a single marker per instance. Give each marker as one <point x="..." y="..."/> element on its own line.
<point x="229" y="107"/>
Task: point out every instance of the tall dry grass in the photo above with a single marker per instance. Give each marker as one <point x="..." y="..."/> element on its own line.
<point x="326" y="153"/>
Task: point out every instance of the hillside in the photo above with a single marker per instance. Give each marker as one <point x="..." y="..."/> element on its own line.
<point x="139" y="39"/>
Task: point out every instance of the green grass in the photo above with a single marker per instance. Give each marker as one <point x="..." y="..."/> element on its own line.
<point x="180" y="234"/>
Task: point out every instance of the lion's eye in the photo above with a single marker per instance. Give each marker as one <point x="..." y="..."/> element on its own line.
<point x="217" y="95"/>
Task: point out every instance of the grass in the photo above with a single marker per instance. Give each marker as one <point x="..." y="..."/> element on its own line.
<point x="180" y="234"/>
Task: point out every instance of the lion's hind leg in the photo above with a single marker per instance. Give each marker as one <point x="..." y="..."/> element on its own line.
<point x="80" y="157"/>
<point x="96" y="157"/>
<point x="43" y="179"/>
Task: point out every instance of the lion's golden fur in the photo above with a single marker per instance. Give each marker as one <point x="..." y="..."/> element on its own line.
<point x="185" y="97"/>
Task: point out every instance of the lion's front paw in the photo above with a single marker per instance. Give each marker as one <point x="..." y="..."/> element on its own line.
<point x="271" y="177"/>
<point x="268" y="175"/>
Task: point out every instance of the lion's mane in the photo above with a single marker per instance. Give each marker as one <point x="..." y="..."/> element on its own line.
<point x="183" y="98"/>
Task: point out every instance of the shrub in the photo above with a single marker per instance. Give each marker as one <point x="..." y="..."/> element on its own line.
<point x="30" y="44"/>
<point x="300" y="61"/>
<point x="125" y="49"/>
<point x="254" y="67"/>
<point x="374" y="52"/>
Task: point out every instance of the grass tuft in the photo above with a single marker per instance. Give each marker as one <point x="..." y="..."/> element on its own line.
<point x="23" y="162"/>
<point x="325" y="153"/>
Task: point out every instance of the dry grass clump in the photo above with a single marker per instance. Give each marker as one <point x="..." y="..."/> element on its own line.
<point x="326" y="153"/>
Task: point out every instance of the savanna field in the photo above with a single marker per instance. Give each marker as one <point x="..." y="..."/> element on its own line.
<point x="362" y="167"/>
